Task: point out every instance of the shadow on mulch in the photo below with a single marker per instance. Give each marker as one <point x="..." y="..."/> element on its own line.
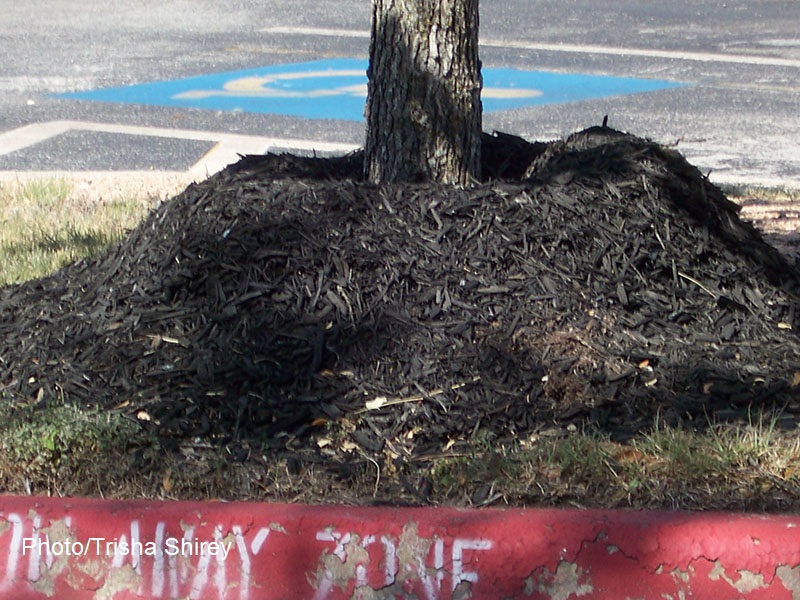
<point x="284" y="304"/>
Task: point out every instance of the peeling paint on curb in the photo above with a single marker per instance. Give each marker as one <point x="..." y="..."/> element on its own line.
<point x="119" y="550"/>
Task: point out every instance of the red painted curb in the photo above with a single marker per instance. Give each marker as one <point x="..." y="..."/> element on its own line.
<point x="87" y="548"/>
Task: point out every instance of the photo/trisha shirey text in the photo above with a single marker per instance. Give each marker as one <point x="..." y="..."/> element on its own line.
<point x="100" y="546"/>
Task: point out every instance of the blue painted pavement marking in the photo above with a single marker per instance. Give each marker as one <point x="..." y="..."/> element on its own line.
<point x="337" y="89"/>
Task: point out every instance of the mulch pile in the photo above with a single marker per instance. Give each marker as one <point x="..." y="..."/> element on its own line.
<point x="596" y="281"/>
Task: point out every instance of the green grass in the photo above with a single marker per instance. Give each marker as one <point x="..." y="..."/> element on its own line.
<point x="51" y="448"/>
<point x="44" y="225"/>
<point x="752" y="466"/>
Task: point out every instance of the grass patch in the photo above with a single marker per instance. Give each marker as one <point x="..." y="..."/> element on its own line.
<point x="64" y="450"/>
<point x="752" y="466"/>
<point x="45" y="225"/>
<point x="67" y="450"/>
<point x="56" y="449"/>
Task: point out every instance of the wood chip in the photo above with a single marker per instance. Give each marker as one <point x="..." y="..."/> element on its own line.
<point x="599" y="279"/>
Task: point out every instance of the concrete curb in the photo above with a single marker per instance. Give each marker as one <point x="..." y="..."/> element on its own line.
<point x="103" y="549"/>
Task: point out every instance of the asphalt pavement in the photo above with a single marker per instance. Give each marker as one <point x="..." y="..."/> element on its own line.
<point x="183" y="87"/>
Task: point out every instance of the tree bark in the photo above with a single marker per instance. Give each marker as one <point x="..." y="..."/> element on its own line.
<point x="423" y="103"/>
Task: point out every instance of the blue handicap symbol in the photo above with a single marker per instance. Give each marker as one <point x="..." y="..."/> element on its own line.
<point x="337" y="89"/>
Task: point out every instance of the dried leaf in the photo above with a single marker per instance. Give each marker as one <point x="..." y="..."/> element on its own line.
<point x="166" y="481"/>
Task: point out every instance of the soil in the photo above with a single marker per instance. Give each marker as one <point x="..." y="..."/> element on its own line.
<point x="286" y="306"/>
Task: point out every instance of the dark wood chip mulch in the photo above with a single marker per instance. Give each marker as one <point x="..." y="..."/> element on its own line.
<point x="598" y="280"/>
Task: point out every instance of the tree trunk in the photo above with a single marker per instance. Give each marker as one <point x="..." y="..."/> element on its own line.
<point x="423" y="102"/>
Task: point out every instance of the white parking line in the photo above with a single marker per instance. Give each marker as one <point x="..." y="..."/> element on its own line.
<point x="227" y="149"/>
<point x="717" y="57"/>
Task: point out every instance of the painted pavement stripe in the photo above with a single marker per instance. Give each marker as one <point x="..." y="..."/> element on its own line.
<point x="36" y="132"/>
<point x="227" y="149"/>
<point x="718" y="57"/>
<point x="91" y="548"/>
